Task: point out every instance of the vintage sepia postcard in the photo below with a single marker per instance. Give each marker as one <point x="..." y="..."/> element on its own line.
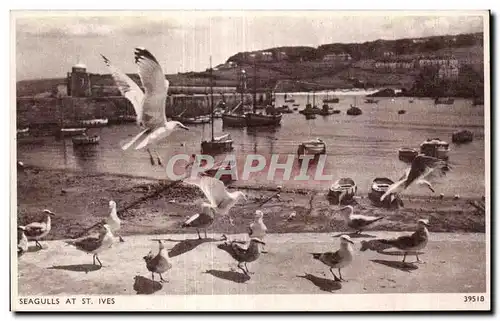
<point x="250" y="161"/>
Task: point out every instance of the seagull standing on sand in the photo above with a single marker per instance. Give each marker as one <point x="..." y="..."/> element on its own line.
<point x="22" y="241"/>
<point x="95" y="244"/>
<point x="357" y="221"/>
<point x="201" y="220"/>
<point x="159" y="263"/>
<point x="258" y="229"/>
<point x="421" y="167"/>
<point x="250" y="254"/>
<point x="338" y="259"/>
<point x="37" y="230"/>
<point x="411" y="243"/>
<point x="149" y="106"/>
<point x="219" y="199"/>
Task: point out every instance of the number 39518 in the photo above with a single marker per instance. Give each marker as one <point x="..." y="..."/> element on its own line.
<point x="474" y="298"/>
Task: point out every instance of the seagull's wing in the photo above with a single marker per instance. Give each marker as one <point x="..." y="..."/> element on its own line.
<point x="422" y="166"/>
<point x="395" y="188"/>
<point x="155" y="85"/>
<point x="89" y="243"/>
<point x="214" y="189"/>
<point x="35" y="228"/>
<point x="127" y="87"/>
<point x="331" y="258"/>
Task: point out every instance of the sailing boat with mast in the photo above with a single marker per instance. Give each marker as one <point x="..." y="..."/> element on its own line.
<point x="219" y="144"/>
<point x="272" y="116"/>
<point x="331" y="100"/>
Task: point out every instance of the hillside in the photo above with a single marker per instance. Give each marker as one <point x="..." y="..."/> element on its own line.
<point x="352" y="66"/>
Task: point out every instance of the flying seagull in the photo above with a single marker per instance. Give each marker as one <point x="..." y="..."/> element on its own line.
<point x="421" y="167"/>
<point x="149" y="106"/>
<point x="95" y="244"/>
<point x="242" y="255"/>
<point x="201" y="220"/>
<point x="338" y="259"/>
<point x="358" y="221"/>
<point x="219" y="198"/>
<point x="158" y="263"/>
<point x="37" y="230"/>
<point x="411" y="243"/>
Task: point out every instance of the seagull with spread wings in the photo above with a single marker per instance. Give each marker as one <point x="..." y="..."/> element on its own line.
<point x="149" y="106"/>
<point x="219" y="198"/>
<point x="421" y="168"/>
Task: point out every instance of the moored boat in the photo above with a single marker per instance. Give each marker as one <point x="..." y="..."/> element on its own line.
<point x="85" y="140"/>
<point x="255" y="119"/>
<point x="289" y="99"/>
<point x="203" y="119"/>
<point x="330" y="100"/>
<point x="371" y="101"/>
<point x="23" y="132"/>
<point x="401" y="111"/>
<point x="234" y="120"/>
<point x="219" y="144"/>
<point x="435" y="148"/>
<point x="312" y="147"/>
<point x="98" y="122"/>
<point x="343" y="191"/>
<point x="463" y="136"/>
<point x="310" y="116"/>
<point x="444" y="101"/>
<point x="284" y="109"/>
<point x="407" y="154"/>
<point x="354" y="111"/>
<point x="325" y="111"/>
<point x="71" y="131"/>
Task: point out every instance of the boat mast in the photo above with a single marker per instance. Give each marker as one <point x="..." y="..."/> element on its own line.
<point x="211" y="98"/>
<point x="254" y="86"/>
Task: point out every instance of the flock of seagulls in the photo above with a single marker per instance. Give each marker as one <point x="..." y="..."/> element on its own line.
<point x="154" y="128"/>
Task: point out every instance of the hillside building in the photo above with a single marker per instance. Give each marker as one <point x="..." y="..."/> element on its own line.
<point x="78" y="81"/>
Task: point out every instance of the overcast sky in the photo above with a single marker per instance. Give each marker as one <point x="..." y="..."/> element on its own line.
<point x="47" y="47"/>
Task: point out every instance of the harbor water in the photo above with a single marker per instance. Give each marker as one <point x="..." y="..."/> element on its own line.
<point x="361" y="147"/>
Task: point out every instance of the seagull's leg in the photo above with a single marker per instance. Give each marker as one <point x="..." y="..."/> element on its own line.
<point x="152" y="276"/>
<point x="341" y="278"/>
<point x="158" y="158"/>
<point x="428" y="185"/>
<point x="162" y="279"/>
<point x="335" y="278"/>
<point x="206" y="234"/>
<point x="246" y="267"/>
<point x="418" y="260"/>
<point x="404" y="257"/>
<point x="199" y="236"/>
<point x="38" y="244"/>
<point x="93" y="259"/>
<point x="241" y="268"/>
<point x="151" y="157"/>
<point x="98" y="260"/>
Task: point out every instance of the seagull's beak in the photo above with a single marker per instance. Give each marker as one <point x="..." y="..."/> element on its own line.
<point x="184" y="127"/>
<point x="350" y="241"/>
<point x="426" y="224"/>
<point x="261" y="242"/>
<point x="121" y="239"/>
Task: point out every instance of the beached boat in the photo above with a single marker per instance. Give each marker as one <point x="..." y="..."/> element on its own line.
<point x="463" y="136"/>
<point x="478" y="101"/>
<point x="379" y="186"/>
<point x="444" y="101"/>
<point x="435" y="148"/>
<point x="407" y="154"/>
<point x="23" y="132"/>
<point x="354" y="111"/>
<point x="98" y="122"/>
<point x="343" y="191"/>
<point x="85" y="140"/>
<point x="312" y="147"/>
<point x="371" y="101"/>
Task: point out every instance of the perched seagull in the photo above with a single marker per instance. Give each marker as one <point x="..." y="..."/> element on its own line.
<point x="250" y="254"/>
<point x="113" y="220"/>
<point x="149" y="106"/>
<point x="219" y="199"/>
<point x="22" y="241"/>
<point x="95" y="244"/>
<point x="159" y="263"/>
<point x="338" y="259"/>
<point x="411" y="243"/>
<point x="358" y="221"/>
<point x="37" y="230"/>
<point x="421" y="167"/>
<point x="202" y="220"/>
<point x="258" y="229"/>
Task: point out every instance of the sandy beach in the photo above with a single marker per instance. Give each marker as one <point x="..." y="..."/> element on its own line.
<point x="147" y="206"/>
